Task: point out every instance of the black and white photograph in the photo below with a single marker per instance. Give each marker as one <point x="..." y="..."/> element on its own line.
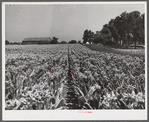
<point x="74" y="60"/>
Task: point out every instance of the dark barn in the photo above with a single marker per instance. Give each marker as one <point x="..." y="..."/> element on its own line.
<point x="37" y="40"/>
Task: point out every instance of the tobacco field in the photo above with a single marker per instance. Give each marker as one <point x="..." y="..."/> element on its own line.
<point x="71" y="76"/>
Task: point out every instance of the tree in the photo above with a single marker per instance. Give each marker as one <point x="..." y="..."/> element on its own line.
<point x="54" y="40"/>
<point x="135" y="25"/>
<point x="120" y="23"/>
<point x="91" y="36"/>
<point x="79" y="42"/>
<point x="88" y="36"/>
<point x="98" y="39"/>
<point x="85" y="36"/>
<point x="113" y="30"/>
<point x="142" y="30"/>
<point x="105" y="34"/>
<point x="130" y="26"/>
<point x="72" y="42"/>
<point x="7" y="42"/>
<point x="125" y="29"/>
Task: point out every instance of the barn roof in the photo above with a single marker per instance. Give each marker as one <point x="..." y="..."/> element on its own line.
<point x="37" y="39"/>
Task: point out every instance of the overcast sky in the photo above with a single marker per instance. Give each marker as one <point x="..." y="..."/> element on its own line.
<point x="64" y="21"/>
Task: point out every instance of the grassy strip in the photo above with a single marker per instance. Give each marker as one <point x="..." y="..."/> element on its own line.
<point x="110" y="50"/>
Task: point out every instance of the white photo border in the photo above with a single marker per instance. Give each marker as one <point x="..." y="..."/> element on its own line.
<point x="70" y="114"/>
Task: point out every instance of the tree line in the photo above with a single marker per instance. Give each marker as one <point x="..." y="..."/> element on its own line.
<point x="125" y="29"/>
<point x="54" y="40"/>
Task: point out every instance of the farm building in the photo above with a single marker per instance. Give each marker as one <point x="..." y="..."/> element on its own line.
<point x="87" y="42"/>
<point x="37" y="40"/>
